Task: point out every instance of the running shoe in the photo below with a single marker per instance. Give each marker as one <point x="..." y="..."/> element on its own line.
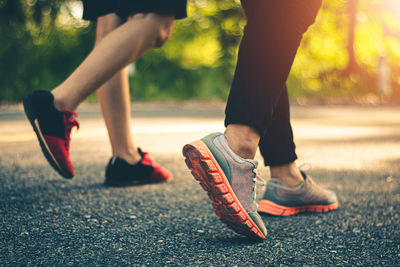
<point x="307" y="197"/>
<point x="53" y="130"/>
<point x="146" y="171"/>
<point x="230" y="182"/>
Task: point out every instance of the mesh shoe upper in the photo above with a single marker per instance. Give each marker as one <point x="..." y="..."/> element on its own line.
<point x="308" y="193"/>
<point x="242" y="174"/>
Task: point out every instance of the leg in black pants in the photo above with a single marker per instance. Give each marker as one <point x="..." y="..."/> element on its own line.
<point x="276" y="145"/>
<point x="259" y="102"/>
<point x="258" y="96"/>
<point x="257" y="114"/>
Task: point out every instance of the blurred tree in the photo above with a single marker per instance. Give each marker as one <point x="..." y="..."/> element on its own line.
<point x="41" y="44"/>
<point x="352" y="6"/>
<point x="199" y="60"/>
<point x="36" y="51"/>
<point x="340" y="53"/>
<point x="11" y="10"/>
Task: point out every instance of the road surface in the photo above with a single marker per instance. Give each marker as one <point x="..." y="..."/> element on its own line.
<point x="46" y="220"/>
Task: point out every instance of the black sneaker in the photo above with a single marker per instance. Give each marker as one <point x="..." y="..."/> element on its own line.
<point x="146" y="171"/>
<point x="53" y="130"/>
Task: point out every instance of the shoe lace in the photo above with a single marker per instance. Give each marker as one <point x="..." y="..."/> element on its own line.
<point x="257" y="180"/>
<point x="70" y="121"/>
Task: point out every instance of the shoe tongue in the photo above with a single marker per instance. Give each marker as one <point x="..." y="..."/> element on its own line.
<point x="253" y="161"/>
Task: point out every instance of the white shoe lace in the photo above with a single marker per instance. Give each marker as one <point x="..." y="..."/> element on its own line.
<point x="257" y="180"/>
<point x="260" y="181"/>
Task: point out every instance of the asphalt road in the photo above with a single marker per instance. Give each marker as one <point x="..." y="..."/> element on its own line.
<point x="46" y="220"/>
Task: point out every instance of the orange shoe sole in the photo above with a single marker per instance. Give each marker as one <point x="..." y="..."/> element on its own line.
<point x="270" y="207"/>
<point x="206" y="170"/>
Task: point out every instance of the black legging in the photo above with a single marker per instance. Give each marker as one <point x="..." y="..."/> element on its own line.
<point x="258" y="95"/>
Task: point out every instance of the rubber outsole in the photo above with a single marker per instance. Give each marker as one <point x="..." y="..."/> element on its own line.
<point x="206" y="170"/>
<point x="267" y="206"/>
<point x="31" y="114"/>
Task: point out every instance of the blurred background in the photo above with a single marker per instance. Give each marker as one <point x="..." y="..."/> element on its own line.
<point x="351" y="54"/>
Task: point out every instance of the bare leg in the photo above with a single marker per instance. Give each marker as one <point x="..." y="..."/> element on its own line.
<point x="114" y="100"/>
<point x="119" y="48"/>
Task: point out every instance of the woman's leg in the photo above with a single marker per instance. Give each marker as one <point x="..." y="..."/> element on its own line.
<point x="277" y="146"/>
<point x="271" y="38"/>
<point x="114" y="100"/>
<point x="51" y="114"/>
<point x="119" y="48"/>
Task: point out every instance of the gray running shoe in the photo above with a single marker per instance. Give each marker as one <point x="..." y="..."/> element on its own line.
<point x="229" y="181"/>
<point x="307" y="197"/>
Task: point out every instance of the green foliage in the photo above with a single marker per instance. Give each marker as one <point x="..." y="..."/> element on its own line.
<point x="41" y="44"/>
<point x="199" y="60"/>
<point x="321" y="66"/>
<point x="38" y="52"/>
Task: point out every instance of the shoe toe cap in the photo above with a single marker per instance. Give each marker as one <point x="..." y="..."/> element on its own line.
<point x="259" y="222"/>
<point x="161" y="174"/>
<point x="331" y="196"/>
<point x="60" y="155"/>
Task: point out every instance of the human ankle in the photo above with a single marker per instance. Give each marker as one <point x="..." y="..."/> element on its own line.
<point x="288" y="174"/>
<point x="62" y="101"/>
<point x="132" y="157"/>
<point x="243" y="140"/>
<point x="60" y="104"/>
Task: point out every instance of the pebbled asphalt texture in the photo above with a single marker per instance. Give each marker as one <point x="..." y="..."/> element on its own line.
<point x="50" y="221"/>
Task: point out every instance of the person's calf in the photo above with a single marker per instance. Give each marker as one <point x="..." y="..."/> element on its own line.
<point x="119" y="48"/>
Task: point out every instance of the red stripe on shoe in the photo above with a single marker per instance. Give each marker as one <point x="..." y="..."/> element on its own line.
<point x="59" y="152"/>
<point x="272" y="208"/>
<point x="159" y="174"/>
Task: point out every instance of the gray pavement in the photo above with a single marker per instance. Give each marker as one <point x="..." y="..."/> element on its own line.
<point x="46" y="220"/>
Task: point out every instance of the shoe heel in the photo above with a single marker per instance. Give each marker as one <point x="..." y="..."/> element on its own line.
<point x="30" y="111"/>
<point x="32" y="116"/>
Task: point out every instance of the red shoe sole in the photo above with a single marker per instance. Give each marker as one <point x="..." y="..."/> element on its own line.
<point x="272" y="208"/>
<point x="207" y="171"/>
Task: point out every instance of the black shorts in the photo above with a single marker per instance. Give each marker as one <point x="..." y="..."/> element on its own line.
<point x="92" y="9"/>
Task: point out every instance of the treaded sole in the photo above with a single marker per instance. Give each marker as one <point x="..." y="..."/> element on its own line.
<point x="267" y="206"/>
<point x="206" y="170"/>
<point x="32" y="117"/>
